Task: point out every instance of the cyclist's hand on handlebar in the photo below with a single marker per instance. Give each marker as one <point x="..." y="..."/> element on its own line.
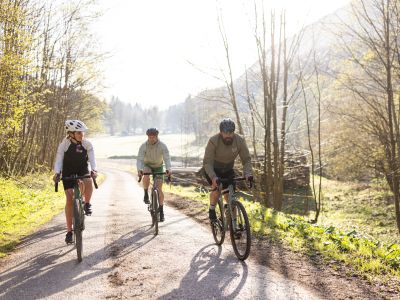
<point x="56" y="177"/>
<point x="93" y="173"/>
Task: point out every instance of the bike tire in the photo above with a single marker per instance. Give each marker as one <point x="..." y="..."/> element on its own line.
<point x="78" y="227"/>
<point x="154" y="203"/>
<point x="241" y="245"/>
<point x="217" y="227"/>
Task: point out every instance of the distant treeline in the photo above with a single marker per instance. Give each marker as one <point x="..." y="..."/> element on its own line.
<point x="123" y="118"/>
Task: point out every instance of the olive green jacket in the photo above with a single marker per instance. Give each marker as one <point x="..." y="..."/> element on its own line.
<point x="153" y="156"/>
<point x="220" y="156"/>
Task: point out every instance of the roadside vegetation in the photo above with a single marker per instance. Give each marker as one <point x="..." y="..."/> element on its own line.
<point x="26" y="204"/>
<point x="348" y="232"/>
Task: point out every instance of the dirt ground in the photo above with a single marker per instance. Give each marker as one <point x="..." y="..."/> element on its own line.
<point x="333" y="279"/>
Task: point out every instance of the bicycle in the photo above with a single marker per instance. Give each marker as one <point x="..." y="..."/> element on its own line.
<point x="238" y="226"/>
<point x="78" y="212"/>
<point x="153" y="206"/>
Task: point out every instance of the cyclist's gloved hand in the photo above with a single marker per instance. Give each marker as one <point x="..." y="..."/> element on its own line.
<point x="56" y="177"/>
<point x="93" y="173"/>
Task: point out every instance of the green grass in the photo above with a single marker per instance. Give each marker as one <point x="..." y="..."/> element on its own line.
<point x="366" y="209"/>
<point x="23" y="209"/>
<point x="25" y="205"/>
<point x="367" y="256"/>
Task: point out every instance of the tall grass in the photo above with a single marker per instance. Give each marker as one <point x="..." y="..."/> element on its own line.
<point x="25" y="205"/>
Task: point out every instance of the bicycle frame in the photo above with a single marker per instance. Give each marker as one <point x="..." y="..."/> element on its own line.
<point x="78" y="212"/>
<point x="231" y="197"/>
<point x="153" y="208"/>
<point x="233" y="216"/>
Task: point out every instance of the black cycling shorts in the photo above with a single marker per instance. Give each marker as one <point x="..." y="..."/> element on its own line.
<point x="69" y="184"/>
<point x="230" y="174"/>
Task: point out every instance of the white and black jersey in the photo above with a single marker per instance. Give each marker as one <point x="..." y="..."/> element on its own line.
<point x="73" y="158"/>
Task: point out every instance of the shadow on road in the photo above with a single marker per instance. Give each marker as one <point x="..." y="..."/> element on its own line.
<point x="211" y="277"/>
<point x="44" y="275"/>
<point x="131" y="241"/>
<point x="41" y="235"/>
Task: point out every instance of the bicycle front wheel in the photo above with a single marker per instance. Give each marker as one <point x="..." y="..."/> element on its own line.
<point x="155" y="214"/>
<point x="240" y="231"/>
<point x="217" y="226"/>
<point x="78" y="227"/>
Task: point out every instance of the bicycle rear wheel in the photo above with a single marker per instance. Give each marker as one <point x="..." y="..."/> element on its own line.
<point x="154" y="204"/>
<point x="78" y="227"/>
<point x="240" y="232"/>
<point x="217" y="226"/>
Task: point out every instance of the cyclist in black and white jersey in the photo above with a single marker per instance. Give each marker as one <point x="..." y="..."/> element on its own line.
<point x="73" y="155"/>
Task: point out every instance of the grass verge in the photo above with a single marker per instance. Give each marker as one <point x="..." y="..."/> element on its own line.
<point x="25" y="205"/>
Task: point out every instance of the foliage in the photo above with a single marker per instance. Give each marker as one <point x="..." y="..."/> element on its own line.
<point x="24" y="205"/>
<point x="48" y="70"/>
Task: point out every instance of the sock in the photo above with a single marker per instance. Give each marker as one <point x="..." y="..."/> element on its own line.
<point x="161" y="208"/>
<point x="212" y="207"/>
<point x="146" y="191"/>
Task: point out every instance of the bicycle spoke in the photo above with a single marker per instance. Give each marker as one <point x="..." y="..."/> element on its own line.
<point x="240" y="232"/>
<point x="217" y="226"/>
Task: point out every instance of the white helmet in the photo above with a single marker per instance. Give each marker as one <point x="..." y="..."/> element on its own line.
<point x="75" y="125"/>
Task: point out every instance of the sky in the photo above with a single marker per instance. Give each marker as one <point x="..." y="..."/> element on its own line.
<point x="160" y="51"/>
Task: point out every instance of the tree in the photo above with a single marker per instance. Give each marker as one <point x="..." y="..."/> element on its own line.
<point x="373" y="80"/>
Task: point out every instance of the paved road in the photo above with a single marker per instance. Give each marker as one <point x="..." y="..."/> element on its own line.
<point x="123" y="260"/>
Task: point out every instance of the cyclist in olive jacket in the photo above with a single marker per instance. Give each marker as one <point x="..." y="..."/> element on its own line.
<point x="219" y="158"/>
<point x="151" y="156"/>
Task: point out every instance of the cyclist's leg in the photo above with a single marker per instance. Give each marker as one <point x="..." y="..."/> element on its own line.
<point x="228" y="175"/>
<point x="158" y="181"/>
<point x="214" y="195"/>
<point x="69" y="193"/>
<point x="87" y="189"/>
<point x="146" y="184"/>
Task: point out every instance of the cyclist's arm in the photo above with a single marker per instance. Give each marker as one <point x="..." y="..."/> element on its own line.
<point x="245" y="157"/>
<point x="140" y="158"/>
<point x="166" y="157"/>
<point x="208" y="160"/>
<point x="89" y="147"/>
<point x="58" y="164"/>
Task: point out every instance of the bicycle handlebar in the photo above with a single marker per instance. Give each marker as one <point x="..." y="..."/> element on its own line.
<point x="155" y="173"/>
<point x="71" y="178"/>
<point x="228" y="180"/>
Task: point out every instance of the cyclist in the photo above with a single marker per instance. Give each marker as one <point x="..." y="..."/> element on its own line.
<point x="152" y="154"/>
<point x="219" y="158"/>
<point x="72" y="158"/>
